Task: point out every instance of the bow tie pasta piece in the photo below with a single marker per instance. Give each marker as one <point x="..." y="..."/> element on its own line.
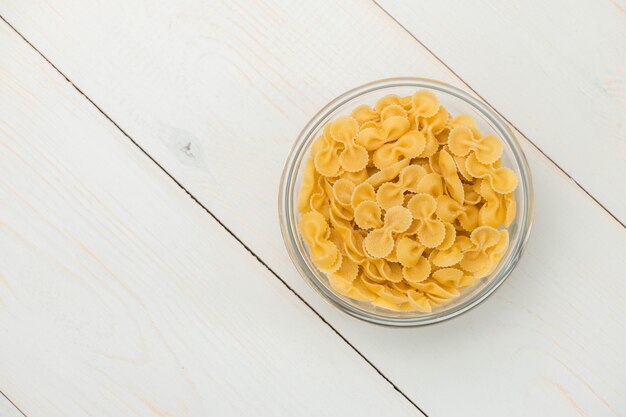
<point x="352" y="241"/>
<point x="431" y="145"/>
<point x="448" y="257"/>
<point x="387" y="174"/>
<point x="362" y="192"/>
<point x="336" y="208"/>
<point x="502" y="180"/>
<point x="495" y="253"/>
<point x="430" y="232"/>
<point x="319" y="201"/>
<point x="416" y="267"/>
<point x="449" y="238"/>
<point x="307" y="188"/>
<point x="364" y="114"/>
<point x="498" y="210"/>
<point x="354" y="157"/>
<point x="346" y="273"/>
<point x="324" y="254"/>
<point x="431" y="184"/>
<point x="417" y="301"/>
<point x="354" y="289"/>
<point x="460" y="162"/>
<point x="381" y="271"/>
<point x="487" y="149"/>
<point x="357" y="178"/>
<point x="385" y="291"/>
<point x="367" y="215"/>
<point x="467" y="121"/>
<point x="321" y="142"/>
<point x="435" y="124"/>
<point x="368" y="125"/>
<point x="392" y="193"/>
<point x="341" y="194"/>
<point x="408" y="146"/>
<point x="472" y="195"/>
<point x="448" y="276"/>
<point x="483" y="258"/>
<point x="342" y="191"/>
<point x="478" y="258"/>
<point x="409" y="251"/>
<point x="325" y="154"/>
<point x="393" y="110"/>
<point x="390" y="299"/>
<point x="379" y="243"/>
<point x="392" y="257"/>
<point x="387" y="101"/>
<point x="406" y="102"/>
<point x="360" y="292"/>
<point x="448" y="210"/>
<point x="442" y="163"/>
<point x="437" y="293"/>
<point x="425" y="104"/>
<point x="390" y="129"/>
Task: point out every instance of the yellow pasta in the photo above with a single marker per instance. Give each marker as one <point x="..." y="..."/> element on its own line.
<point x="448" y="210"/>
<point x="408" y="146"/>
<point x="391" y="194"/>
<point x="498" y="210"/>
<point x="446" y="167"/>
<point x="392" y="111"/>
<point x="362" y="192"/>
<point x="425" y="104"/>
<point x="364" y="114"/>
<point x="487" y="149"/>
<point x="379" y="243"/>
<point x="503" y="180"/>
<point x="367" y="215"/>
<point x="387" y="101"/>
<point x="389" y="130"/>
<point x="404" y="206"/>
<point x="431" y="231"/>
<point x="431" y="184"/>
<point x="326" y="156"/>
<point x="353" y="157"/>
<point x="481" y="257"/>
<point x="324" y="253"/>
<point x="443" y="258"/>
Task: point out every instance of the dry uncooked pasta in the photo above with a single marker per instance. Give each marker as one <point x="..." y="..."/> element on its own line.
<point x="404" y="206"/>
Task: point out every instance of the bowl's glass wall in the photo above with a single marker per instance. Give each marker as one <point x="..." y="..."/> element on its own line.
<point x="456" y="102"/>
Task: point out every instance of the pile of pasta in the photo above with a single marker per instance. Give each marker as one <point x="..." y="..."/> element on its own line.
<point x="403" y="206"/>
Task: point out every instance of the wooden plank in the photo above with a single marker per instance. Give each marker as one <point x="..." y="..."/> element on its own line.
<point x="7" y="409"/>
<point x="555" y="69"/>
<point x="120" y="296"/>
<point x="217" y="95"/>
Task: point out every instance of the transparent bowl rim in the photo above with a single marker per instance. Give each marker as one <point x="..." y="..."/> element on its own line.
<point x="287" y="214"/>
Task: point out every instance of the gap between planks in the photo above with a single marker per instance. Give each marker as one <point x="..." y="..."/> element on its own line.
<point x="394" y="386"/>
<point x="499" y="114"/>
<point x="11" y="402"/>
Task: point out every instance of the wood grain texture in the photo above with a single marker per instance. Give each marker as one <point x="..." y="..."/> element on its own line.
<point x="555" y="69"/>
<point x="7" y="409"/>
<point x="120" y="296"/>
<point x="217" y="94"/>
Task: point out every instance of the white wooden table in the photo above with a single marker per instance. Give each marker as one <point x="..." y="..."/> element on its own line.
<point x="142" y="272"/>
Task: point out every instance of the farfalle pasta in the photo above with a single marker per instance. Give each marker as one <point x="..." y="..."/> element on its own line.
<point x="403" y="205"/>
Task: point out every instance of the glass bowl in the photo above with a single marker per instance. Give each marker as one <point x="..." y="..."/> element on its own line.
<point x="456" y="102"/>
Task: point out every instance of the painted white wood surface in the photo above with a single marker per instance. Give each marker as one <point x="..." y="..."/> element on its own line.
<point x="556" y="69"/>
<point x="7" y="409"/>
<point x="195" y="83"/>
<point x="120" y="296"/>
